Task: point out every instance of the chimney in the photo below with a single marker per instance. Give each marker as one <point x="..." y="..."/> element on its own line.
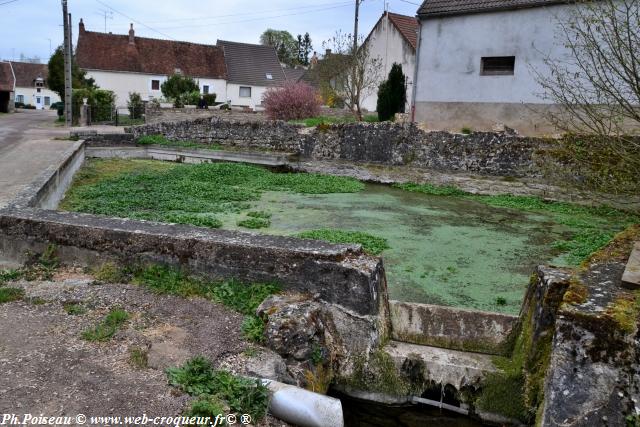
<point x="327" y="52"/>
<point x="131" y="35"/>
<point x="81" y="27"/>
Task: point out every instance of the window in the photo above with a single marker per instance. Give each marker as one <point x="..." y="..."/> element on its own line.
<point x="205" y="89"/>
<point x="20" y="98"/>
<point x="269" y="76"/>
<point x="245" y="92"/>
<point x="39" y="90"/>
<point x="497" y="65"/>
<point x="155" y="84"/>
<point x="47" y="100"/>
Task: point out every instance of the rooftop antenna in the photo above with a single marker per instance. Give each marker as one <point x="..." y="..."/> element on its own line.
<point x="106" y="14"/>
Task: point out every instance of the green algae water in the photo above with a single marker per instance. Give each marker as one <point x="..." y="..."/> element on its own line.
<point x="447" y="250"/>
<point x="443" y="250"/>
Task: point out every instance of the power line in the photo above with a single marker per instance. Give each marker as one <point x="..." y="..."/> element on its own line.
<point x="134" y="20"/>
<point x="7" y="2"/>
<point x="204" y="18"/>
<point x="257" y="19"/>
<point x="410" y="2"/>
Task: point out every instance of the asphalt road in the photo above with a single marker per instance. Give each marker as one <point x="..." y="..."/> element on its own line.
<point x="27" y="148"/>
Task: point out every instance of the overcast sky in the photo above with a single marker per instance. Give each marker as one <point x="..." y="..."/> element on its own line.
<point x="26" y="26"/>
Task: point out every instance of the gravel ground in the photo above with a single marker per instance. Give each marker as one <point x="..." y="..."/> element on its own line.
<point x="47" y="368"/>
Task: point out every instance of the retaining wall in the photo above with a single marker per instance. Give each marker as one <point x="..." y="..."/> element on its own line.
<point x="490" y="153"/>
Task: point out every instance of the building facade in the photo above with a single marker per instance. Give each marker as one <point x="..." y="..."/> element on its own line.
<point x="238" y="73"/>
<point x="31" y="85"/>
<point x="477" y="63"/>
<point x="392" y="40"/>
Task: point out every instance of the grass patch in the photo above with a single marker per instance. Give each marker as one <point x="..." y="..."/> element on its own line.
<point x="592" y="228"/>
<point x="9" y="276"/>
<point x="108" y="327"/>
<point x="74" y="308"/>
<point x="206" y="407"/>
<point x="254" y="223"/>
<point x="370" y="244"/>
<point x="324" y="120"/>
<point x="138" y="357"/>
<point x="253" y="328"/>
<point x="259" y="214"/>
<point x="186" y="194"/>
<point x="198" y="378"/>
<point x="8" y="294"/>
<point x="162" y="140"/>
<point x="109" y="272"/>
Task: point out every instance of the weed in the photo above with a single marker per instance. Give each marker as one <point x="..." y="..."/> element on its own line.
<point x="36" y="300"/>
<point x="466" y="131"/>
<point x="253" y="328"/>
<point x="251" y="352"/>
<point x="259" y="214"/>
<point x="317" y="354"/>
<point x="10" y="294"/>
<point x="254" y="223"/>
<point x="371" y="244"/>
<point x="501" y="301"/>
<point x="74" y="308"/>
<point x="9" y="276"/>
<point x="108" y="327"/>
<point x="187" y="194"/>
<point x="109" y="272"/>
<point x="197" y="377"/>
<point x="206" y="407"/>
<point x="138" y="357"/>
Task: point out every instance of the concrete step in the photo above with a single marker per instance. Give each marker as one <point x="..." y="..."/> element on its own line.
<point x="631" y="275"/>
<point x="451" y="328"/>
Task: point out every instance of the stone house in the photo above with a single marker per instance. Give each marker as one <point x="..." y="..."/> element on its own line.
<point x="476" y="59"/>
<point x="7" y="87"/>
<point x="393" y="38"/>
<point x="31" y="85"/>
<point x="237" y="73"/>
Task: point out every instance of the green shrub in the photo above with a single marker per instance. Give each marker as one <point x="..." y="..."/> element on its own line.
<point x="206" y="407"/>
<point x="254" y="223"/>
<point x="135" y="105"/>
<point x="198" y="378"/>
<point x="108" y="327"/>
<point x="392" y="94"/>
<point x="180" y="89"/>
<point x="209" y="98"/>
<point x="370" y="244"/>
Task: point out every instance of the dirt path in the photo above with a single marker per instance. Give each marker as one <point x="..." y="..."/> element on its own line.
<point x="47" y="368"/>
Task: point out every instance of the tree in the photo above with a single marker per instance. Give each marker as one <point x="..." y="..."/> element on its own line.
<point x="284" y="43"/>
<point x="392" y="94"/>
<point x="353" y="75"/>
<point x="135" y="105"/>
<point x="304" y="49"/>
<point x="180" y="89"/>
<point x="597" y="86"/>
<point x="55" y="80"/>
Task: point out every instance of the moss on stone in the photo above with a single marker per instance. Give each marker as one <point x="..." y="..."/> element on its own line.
<point x="577" y="293"/>
<point x="625" y="311"/>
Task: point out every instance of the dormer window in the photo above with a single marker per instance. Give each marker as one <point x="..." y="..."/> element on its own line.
<point x="177" y="70"/>
<point x="269" y="76"/>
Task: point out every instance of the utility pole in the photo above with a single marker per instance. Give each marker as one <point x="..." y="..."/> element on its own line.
<point x="67" y="65"/>
<point x="355" y="27"/>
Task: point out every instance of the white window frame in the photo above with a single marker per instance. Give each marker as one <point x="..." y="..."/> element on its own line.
<point x="20" y="98"/>
<point x="240" y="91"/>
<point x="47" y="101"/>
<point x="205" y="89"/>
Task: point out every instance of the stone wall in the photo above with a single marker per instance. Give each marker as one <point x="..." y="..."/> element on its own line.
<point x="490" y="153"/>
<point x="157" y="115"/>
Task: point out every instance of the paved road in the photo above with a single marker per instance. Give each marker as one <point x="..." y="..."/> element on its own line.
<point x="27" y="148"/>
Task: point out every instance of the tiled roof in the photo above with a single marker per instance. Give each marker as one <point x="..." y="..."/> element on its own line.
<point x="432" y="8"/>
<point x="295" y="74"/>
<point x="250" y="63"/>
<point x="407" y="25"/>
<point x="113" y="52"/>
<point x="27" y="72"/>
<point x="6" y="77"/>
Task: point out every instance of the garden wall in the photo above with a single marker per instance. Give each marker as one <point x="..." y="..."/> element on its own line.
<point x="157" y="115"/>
<point x="490" y="153"/>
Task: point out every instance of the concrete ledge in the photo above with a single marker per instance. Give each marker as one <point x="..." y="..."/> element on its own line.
<point x="339" y="274"/>
<point x="188" y="155"/>
<point x="452" y="328"/>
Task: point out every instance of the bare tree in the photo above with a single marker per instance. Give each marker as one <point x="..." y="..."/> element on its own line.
<point x="597" y="86"/>
<point x="354" y="74"/>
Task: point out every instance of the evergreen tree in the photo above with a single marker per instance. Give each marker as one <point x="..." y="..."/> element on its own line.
<point x="392" y="95"/>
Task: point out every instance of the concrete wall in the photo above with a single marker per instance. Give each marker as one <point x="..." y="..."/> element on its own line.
<point x="451" y="92"/>
<point x="31" y="93"/>
<point x="386" y="42"/>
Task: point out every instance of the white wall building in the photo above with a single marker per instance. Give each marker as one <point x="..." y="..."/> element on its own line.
<point x="237" y="73"/>
<point x="476" y="61"/>
<point x="393" y="40"/>
<point x="31" y="85"/>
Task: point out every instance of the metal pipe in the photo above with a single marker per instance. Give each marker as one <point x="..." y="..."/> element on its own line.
<point x="302" y="407"/>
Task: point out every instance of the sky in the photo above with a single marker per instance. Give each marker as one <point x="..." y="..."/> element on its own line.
<point x="29" y="27"/>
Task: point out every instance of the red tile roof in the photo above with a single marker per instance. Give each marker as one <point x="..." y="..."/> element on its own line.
<point x="27" y="72"/>
<point x="407" y="25"/>
<point x="434" y="8"/>
<point x="113" y="52"/>
<point x="6" y="77"/>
